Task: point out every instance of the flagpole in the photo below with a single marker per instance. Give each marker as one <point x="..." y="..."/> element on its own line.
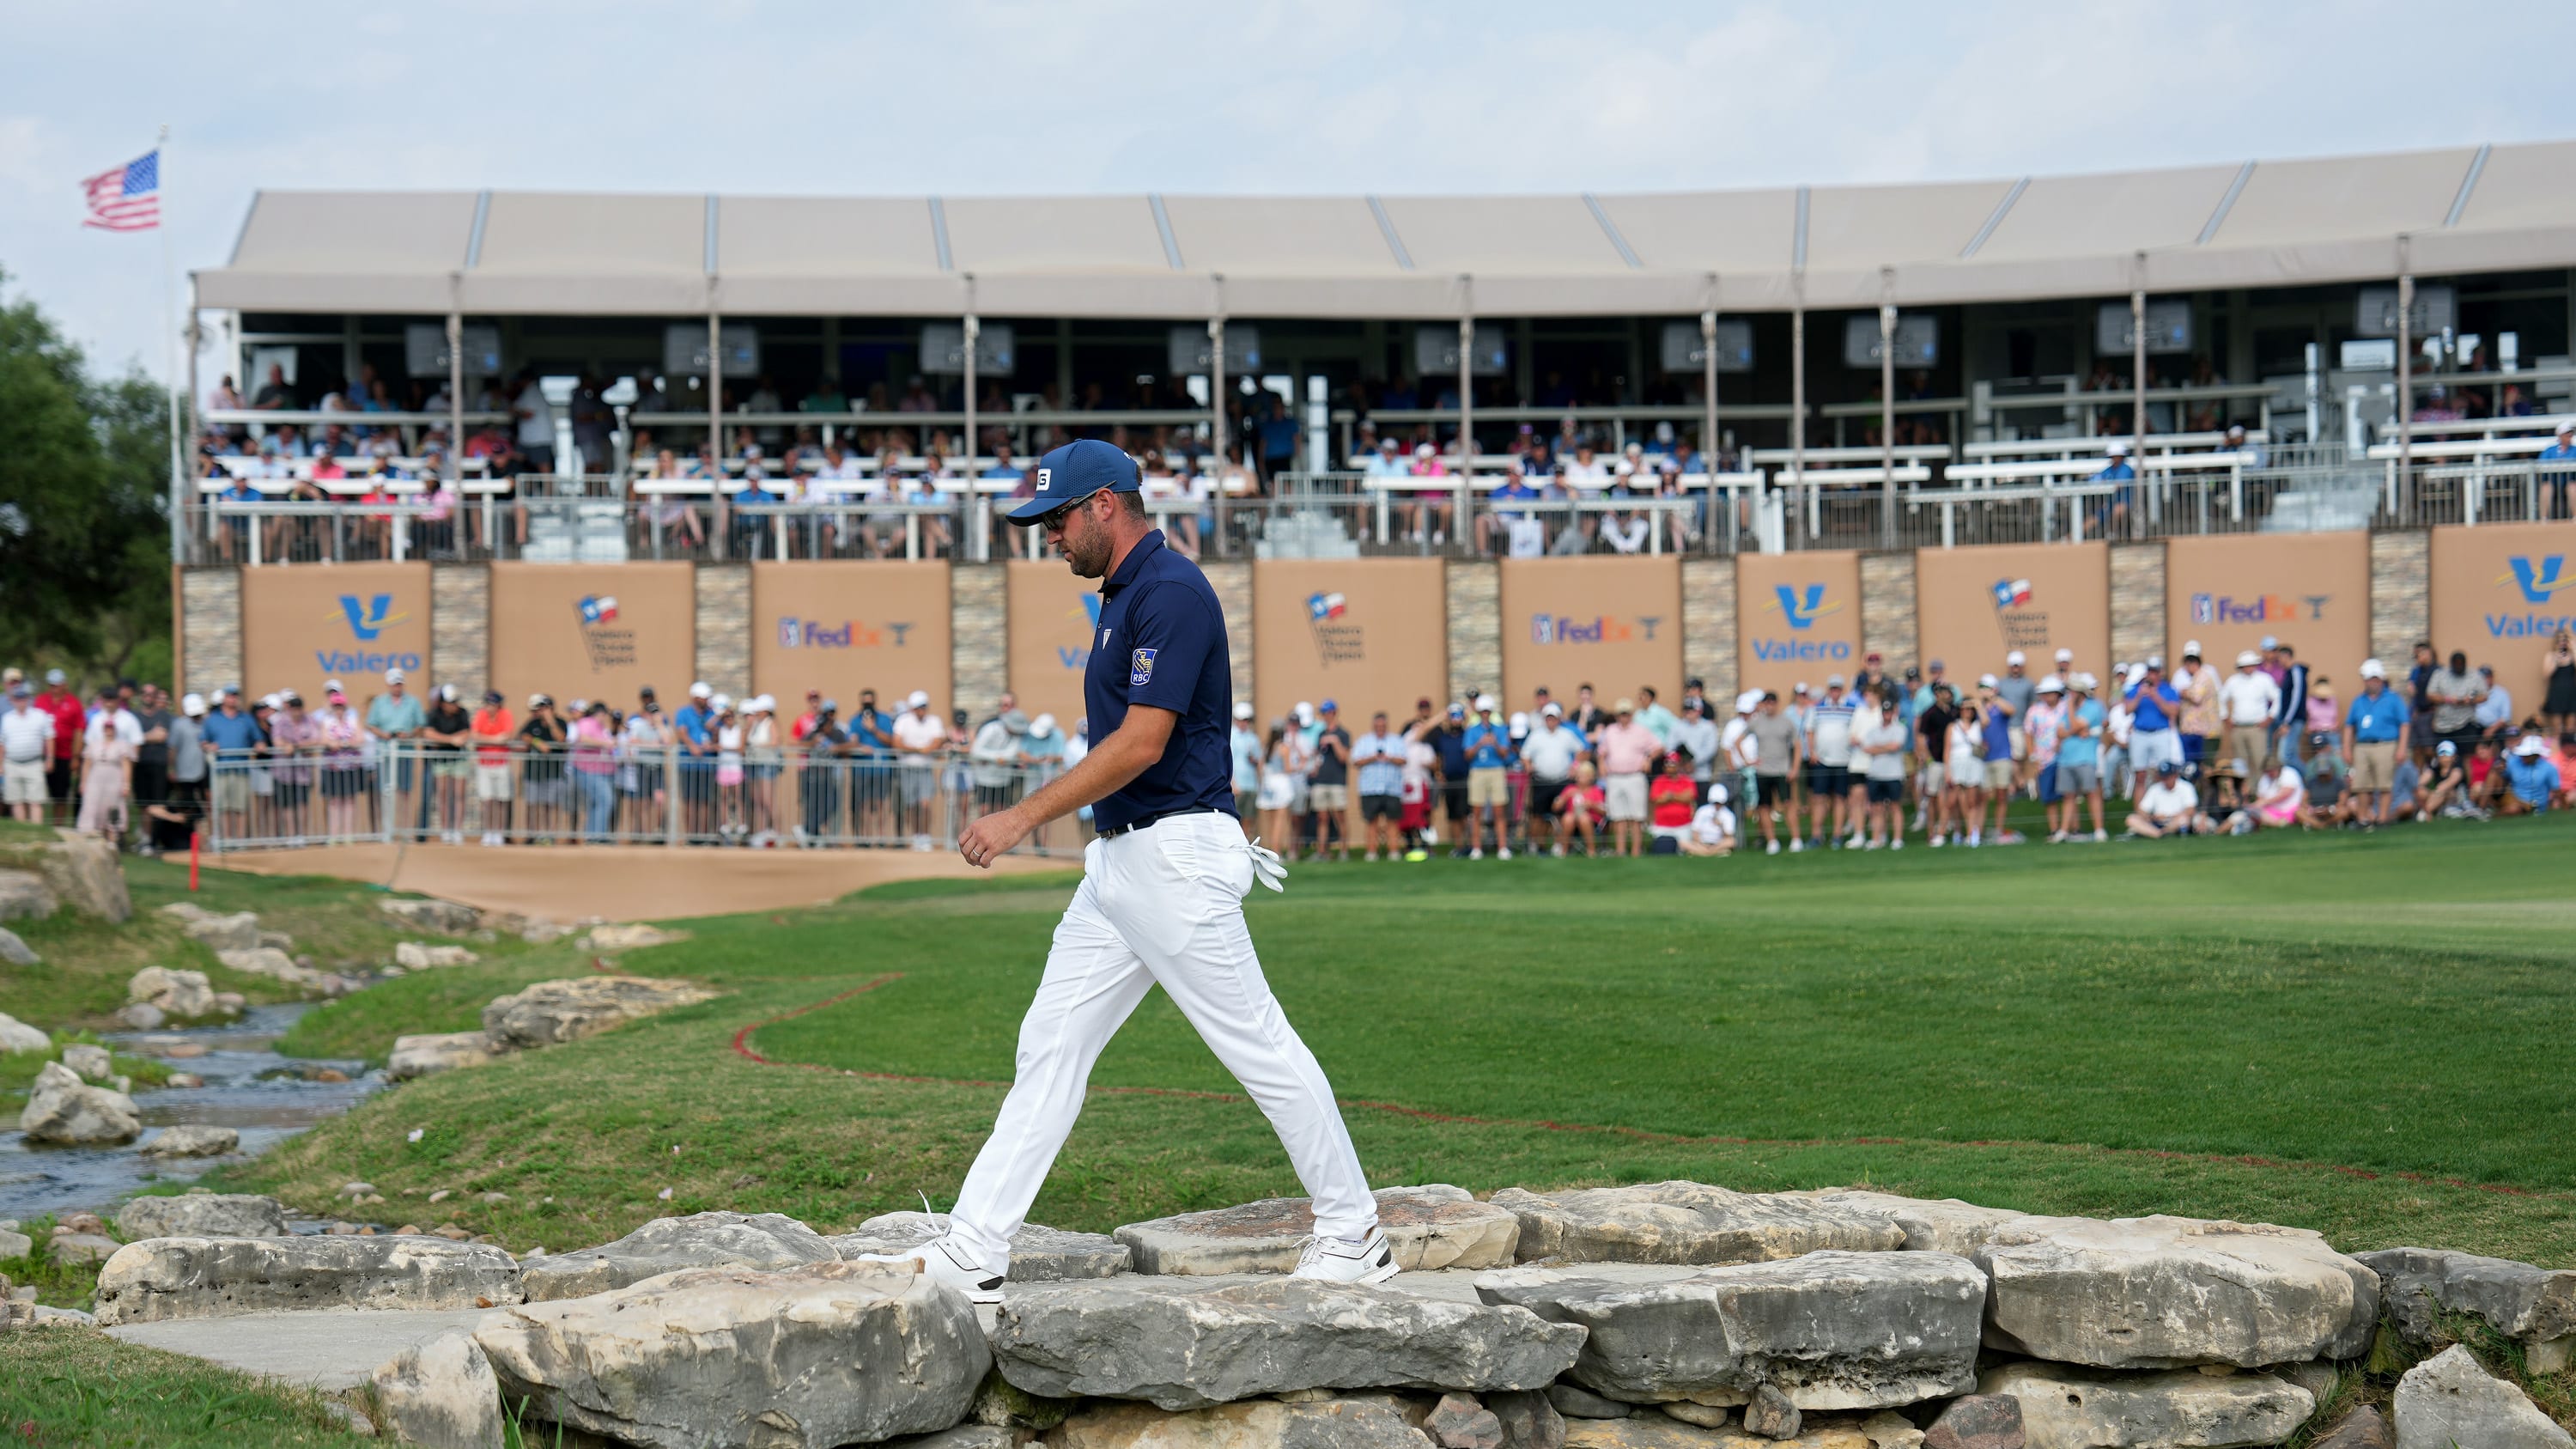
<point x="169" y="353"/>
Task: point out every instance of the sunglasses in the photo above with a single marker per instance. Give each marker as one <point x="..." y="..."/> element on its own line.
<point x="1054" y="518"/>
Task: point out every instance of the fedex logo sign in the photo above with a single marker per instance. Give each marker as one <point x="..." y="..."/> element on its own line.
<point x="2261" y="609"/>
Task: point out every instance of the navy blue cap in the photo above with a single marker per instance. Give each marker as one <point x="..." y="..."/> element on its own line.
<point x="1076" y="471"/>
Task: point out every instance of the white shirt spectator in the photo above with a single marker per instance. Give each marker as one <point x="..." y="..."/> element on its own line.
<point x="537" y="429"/>
<point x="2249" y="697"/>
<point x="2283" y="786"/>
<point x="914" y="731"/>
<point x="1713" y="825"/>
<point x="27" y="734"/>
<point x="1887" y="763"/>
<point x="1625" y="533"/>
<point x="1699" y="736"/>
<point x="1829" y="730"/>
<point x="2116" y="724"/>
<point x="1550" y="752"/>
<point x="1741" y="749"/>
<point x="2172" y="801"/>
<point x="2495" y="709"/>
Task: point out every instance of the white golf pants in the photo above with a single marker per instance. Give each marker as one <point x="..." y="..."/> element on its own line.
<point x="1162" y="904"/>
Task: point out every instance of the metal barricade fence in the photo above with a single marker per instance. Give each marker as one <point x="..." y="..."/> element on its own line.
<point x="405" y="792"/>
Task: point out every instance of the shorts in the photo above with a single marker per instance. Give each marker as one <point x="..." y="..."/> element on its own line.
<point x="1276" y="792"/>
<point x="1770" y="790"/>
<point x="290" y="794"/>
<point x="1626" y="795"/>
<point x="2077" y="778"/>
<point x="232" y="790"/>
<point x="2046" y="781"/>
<point x="1381" y="807"/>
<point x="1543" y="797"/>
<point x="58" y="779"/>
<point x="2374" y="766"/>
<point x="2150" y="748"/>
<point x="492" y="782"/>
<point x="1489" y="786"/>
<point x="2000" y="774"/>
<point x="1332" y="799"/>
<point x="1885" y="792"/>
<point x="449" y="767"/>
<point x="26" y="783"/>
<point x="1828" y="782"/>
<point x="728" y="774"/>
<point x="1453" y="799"/>
<point x="920" y="782"/>
<point x="340" y="782"/>
<point x="1934" y="778"/>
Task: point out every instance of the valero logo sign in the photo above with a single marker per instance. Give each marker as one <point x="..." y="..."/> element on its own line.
<point x="2261" y="609"/>
<point x="368" y="618"/>
<point x="610" y="645"/>
<point x="2537" y="580"/>
<point x="796" y="633"/>
<point x="1339" y="637"/>
<point x="1599" y="629"/>
<point x="1076" y="656"/>
<point x="1799" y="606"/>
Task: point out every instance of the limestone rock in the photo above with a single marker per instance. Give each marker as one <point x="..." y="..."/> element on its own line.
<point x="221" y="1277"/>
<point x="1978" y="1421"/>
<point x="192" y="1139"/>
<point x="1529" y="1420"/>
<point x="543" y="932"/>
<point x="79" y="1250"/>
<point x="1662" y="1433"/>
<point x="964" y="1436"/>
<point x="627" y="938"/>
<point x="2448" y="1399"/>
<point x="1829" y="1330"/>
<point x="1687" y="1222"/>
<point x="827" y="1354"/>
<point x="270" y="962"/>
<point x="1436" y="1226"/>
<point x="1184" y="1345"/>
<point x="1931" y="1225"/>
<point x="86" y="875"/>
<point x="415" y="956"/>
<point x="2064" y="1407"/>
<point x="1889" y="1430"/>
<point x="421" y="1056"/>
<point x="142" y="1015"/>
<point x="441" y="1395"/>
<point x="183" y="911"/>
<point x="1770" y="1414"/>
<point x="17" y="1036"/>
<point x="14" y="1244"/>
<point x="25" y="896"/>
<point x="2534" y="1305"/>
<point x="1038" y="1255"/>
<point x="236" y="932"/>
<point x="63" y="1108"/>
<point x="1459" y="1422"/>
<point x="202" y="1215"/>
<point x="1259" y="1424"/>
<point x="17" y="952"/>
<point x="567" y="1010"/>
<point x="176" y="992"/>
<point x="2163" y="1292"/>
<point x="91" y="1062"/>
<point x="766" y="1241"/>
<point x="1576" y="1402"/>
<point x="1705" y="1416"/>
<point x="447" y="918"/>
<point x="2363" y="1428"/>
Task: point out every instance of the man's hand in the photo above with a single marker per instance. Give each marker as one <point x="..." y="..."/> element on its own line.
<point x="982" y="841"/>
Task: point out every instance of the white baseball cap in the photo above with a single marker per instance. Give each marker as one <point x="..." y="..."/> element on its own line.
<point x="918" y="699"/>
<point x="2051" y="684"/>
<point x="331" y="686"/>
<point x="1552" y="710"/>
<point x="447" y="692"/>
<point x="1799" y="688"/>
<point x="2087" y="682"/>
<point x="2065" y="656"/>
<point x="1987" y="681"/>
<point x="1042" y="726"/>
<point x="2016" y="657"/>
<point x="2247" y="659"/>
<point x="393" y="676"/>
<point x="1305" y="711"/>
<point x="2530" y="745"/>
<point x="2119" y="450"/>
<point x="1749" y="701"/>
<point x="1243" y="709"/>
<point x="2373" y="669"/>
<point x="1717" y="793"/>
<point x="699" y="690"/>
<point x="194" y="704"/>
<point x="721" y="702"/>
<point x="1484" y="702"/>
<point x="2190" y="648"/>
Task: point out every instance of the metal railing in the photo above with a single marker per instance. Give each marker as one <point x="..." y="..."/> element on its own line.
<point x="780" y="796"/>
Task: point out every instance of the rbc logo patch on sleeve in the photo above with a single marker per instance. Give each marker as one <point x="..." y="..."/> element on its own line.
<point x="1140" y="668"/>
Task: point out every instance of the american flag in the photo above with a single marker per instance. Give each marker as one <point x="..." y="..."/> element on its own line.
<point x="127" y="198"/>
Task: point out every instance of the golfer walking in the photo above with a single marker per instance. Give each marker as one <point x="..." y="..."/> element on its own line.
<point x="1161" y="899"/>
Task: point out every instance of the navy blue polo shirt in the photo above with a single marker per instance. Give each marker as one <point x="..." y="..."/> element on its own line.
<point x="1161" y="642"/>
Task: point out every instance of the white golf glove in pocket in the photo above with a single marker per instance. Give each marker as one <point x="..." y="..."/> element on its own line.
<point x="1267" y="867"/>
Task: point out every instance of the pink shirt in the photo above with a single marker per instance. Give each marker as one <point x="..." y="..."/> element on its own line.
<point x="1625" y="748"/>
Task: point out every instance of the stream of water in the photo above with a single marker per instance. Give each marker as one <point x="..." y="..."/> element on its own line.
<point x="249" y="1087"/>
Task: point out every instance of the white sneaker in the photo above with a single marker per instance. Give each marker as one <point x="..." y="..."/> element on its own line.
<point x="1936" y="842"/>
<point x="1340" y="1260"/>
<point x="1503" y="853"/>
<point x="1877" y="845"/>
<point x="936" y="1259"/>
<point x="1771" y="848"/>
<point x="1476" y="854"/>
<point x="1560" y="852"/>
<point x="1899" y="843"/>
<point x="1796" y="845"/>
<point x="2100" y="836"/>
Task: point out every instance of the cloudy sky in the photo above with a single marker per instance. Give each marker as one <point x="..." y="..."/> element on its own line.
<point x="1018" y="96"/>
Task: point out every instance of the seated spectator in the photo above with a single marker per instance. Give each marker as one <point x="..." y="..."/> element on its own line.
<point x="2170" y="806"/>
<point x="1670" y="801"/>
<point x="2493" y="717"/>
<point x="2280" y="797"/>
<point x="2532" y="781"/>
<point x="2446" y="785"/>
<point x="2325" y="773"/>
<point x="1581" y="809"/>
<point x="1713" y="828"/>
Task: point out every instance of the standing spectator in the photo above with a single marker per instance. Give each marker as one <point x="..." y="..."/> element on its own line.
<point x="1551" y="752"/>
<point x="342" y="772"/>
<point x="1737" y="750"/>
<point x="445" y="733"/>
<point x="1713" y="828"/>
<point x="536" y="423"/>
<point x="1655" y="717"/>
<point x="176" y="820"/>
<point x="2373" y="729"/>
<point x="594" y="765"/>
<point x="2017" y="688"/>
<point x="1330" y="793"/>
<point x="2419" y="681"/>
<point x="152" y="757"/>
<point x="493" y="729"/>
<point x="2455" y="693"/>
<point x="2113" y="518"/>
<point x="1243" y="744"/>
<point x="1672" y="798"/>
<point x="27" y="733"/>
<point x="2558" y="705"/>
<point x="2292" y="676"/>
<point x="1831" y="782"/>
<point x="231" y="735"/>
<point x="819" y="780"/>
<point x="1966" y="763"/>
<point x="2043" y="726"/>
<point x="2325" y="713"/>
<point x="1932" y="721"/>
<point x="107" y="768"/>
<point x="2561" y="450"/>
<point x="2080" y="735"/>
<point x="541" y="742"/>
<point x="70" y="719"/>
<point x="2196" y="723"/>
<point x="1778" y="753"/>
<point x="1625" y="749"/>
<point x="645" y="746"/>
<point x="1278" y="797"/>
<point x="2170" y="806"/>
<point x="1999" y="740"/>
<point x="1881" y="741"/>
<point x="395" y="718"/>
<point x="1380" y="758"/>
<point x="1490" y="754"/>
<point x="1698" y="734"/>
<point x="2249" y="705"/>
<point x="2155" y="709"/>
<point x="694" y="724"/>
<point x="919" y="740"/>
<point x="997" y="753"/>
<point x="1588" y="716"/>
<point x="2532" y="780"/>
<point x="2493" y="719"/>
<point x="1448" y="742"/>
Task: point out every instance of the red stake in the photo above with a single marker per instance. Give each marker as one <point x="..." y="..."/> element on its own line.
<point x="194" y="836"/>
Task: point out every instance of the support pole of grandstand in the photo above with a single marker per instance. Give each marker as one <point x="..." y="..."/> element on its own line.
<point x="2406" y="369"/>
<point x="169" y="368"/>
<point x="973" y="328"/>
<point x="1216" y="392"/>
<point x="2138" y="372"/>
<point x="1887" y="407"/>
<point x="456" y="396"/>
<point x="715" y="391"/>
<point x="1708" y="449"/>
<point x="1466" y="383"/>
<point x="1797" y="391"/>
<point x="190" y="336"/>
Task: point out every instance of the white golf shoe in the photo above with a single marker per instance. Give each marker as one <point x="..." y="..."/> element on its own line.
<point x="1341" y="1260"/>
<point x="938" y="1259"/>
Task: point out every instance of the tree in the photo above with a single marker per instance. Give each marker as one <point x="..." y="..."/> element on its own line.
<point x="84" y="538"/>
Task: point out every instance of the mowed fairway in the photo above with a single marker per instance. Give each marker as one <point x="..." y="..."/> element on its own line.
<point x="2367" y="1035"/>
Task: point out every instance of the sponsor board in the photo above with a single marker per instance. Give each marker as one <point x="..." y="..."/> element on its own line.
<point x="1053" y="619"/>
<point x="2501" y="593"/>
<point x="1975" y="605"/>
<point x="1614" y="622"/>
<point x="2309" y="590"/>
<point x="843" y="626"/>
<point x="1797" y="618"/>
<point x="349" y="622"/>
<point x="1368" y="633"/>
<point x="593" y="631"/>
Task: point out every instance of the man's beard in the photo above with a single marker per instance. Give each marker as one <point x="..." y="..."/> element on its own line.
<point x="1088" y="554"/>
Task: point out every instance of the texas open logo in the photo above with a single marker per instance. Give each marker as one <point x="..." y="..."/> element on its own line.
<point x="2539" y="581"/>
<point x="1801" y="606"/>
<point x="368" y="619"/>
<point x="2023" y="626"/>
<point x="1338" y="636"/>
<point x="796" y="633"/>
<point x="608" y="644"/>
<point x="2261" y="609"/>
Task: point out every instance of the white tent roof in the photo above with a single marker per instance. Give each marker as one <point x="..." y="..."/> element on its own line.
<point x="2246" y="224"/>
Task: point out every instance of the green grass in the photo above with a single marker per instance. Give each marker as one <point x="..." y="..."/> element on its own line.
<point x="2362" y="1035"/>
<point x="62" y="1386"/>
